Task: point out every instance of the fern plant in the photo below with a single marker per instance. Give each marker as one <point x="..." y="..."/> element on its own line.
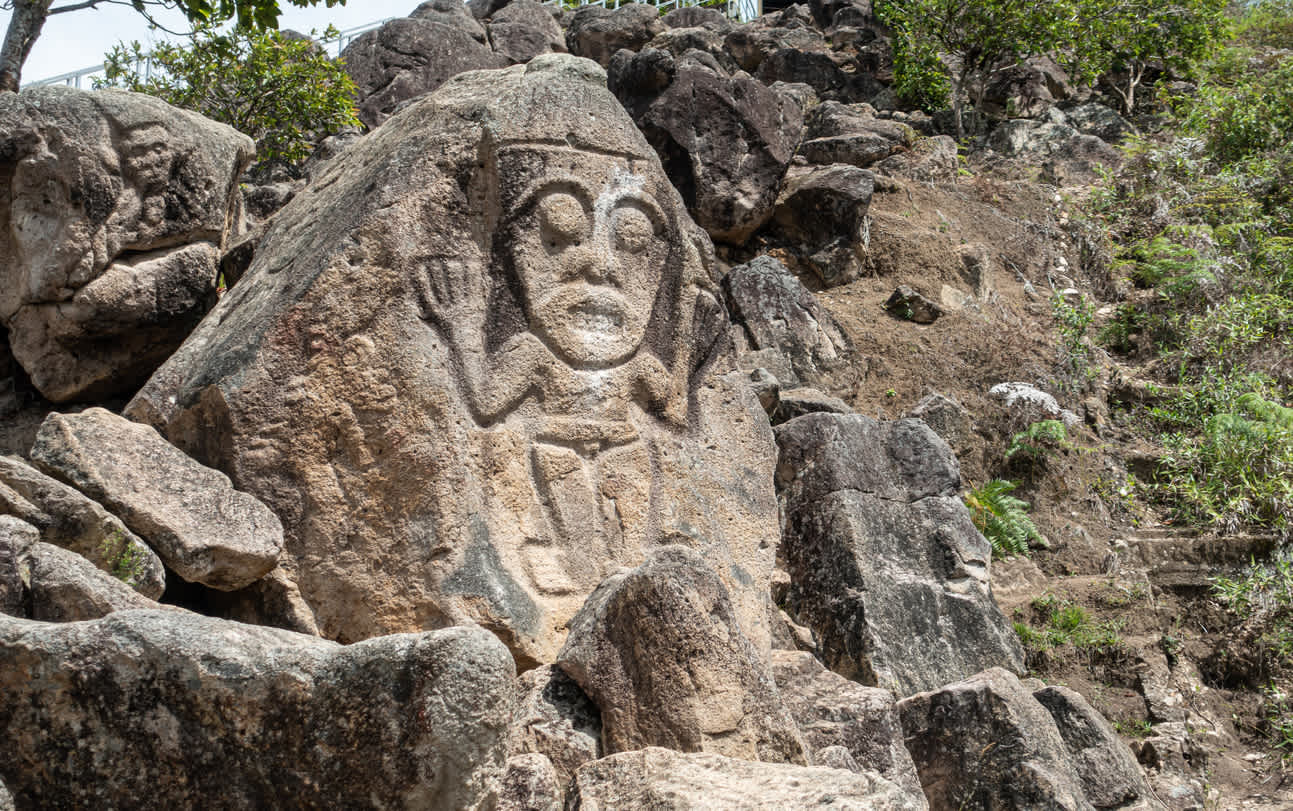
<point x="1002" y="518"/>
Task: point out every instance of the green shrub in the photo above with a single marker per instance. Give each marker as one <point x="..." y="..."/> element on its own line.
<point x="286" y="94"/>
<point x="1002" y="518"/>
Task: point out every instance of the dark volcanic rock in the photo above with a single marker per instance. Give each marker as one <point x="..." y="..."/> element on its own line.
<point x="174" y="710"/>
<point x="821" y="217"/>
<point x="725" y="142"/>
<point x="523" y="29"/>
<point x="885" y="565"/>
<point x="987" y="743"/>
<point x="597" y="32"/>
<point x="778" y="313"/>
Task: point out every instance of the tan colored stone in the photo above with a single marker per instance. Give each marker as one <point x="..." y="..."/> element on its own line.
<point x="113" y="214"/>
<point x="477" y="366"/>
<point x="206" y="531"/>
<point x="664" y="780"/>
<point x="660" y="652"/>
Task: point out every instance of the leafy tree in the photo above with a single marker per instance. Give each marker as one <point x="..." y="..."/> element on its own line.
<point x="1126" y="37"/>
<point x="283" y="92"/>
<point x="29" y="18"/>
<point x="976" y="39"/>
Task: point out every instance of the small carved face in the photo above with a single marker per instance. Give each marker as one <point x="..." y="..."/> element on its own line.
<point x="146" y="158"/>
<point x="590" y="263"/>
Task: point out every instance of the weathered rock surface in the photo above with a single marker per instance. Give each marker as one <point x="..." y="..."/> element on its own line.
<point x="699" y="17"/>
<point x="1027" y="404"/>
<point x="985" y="742"/>
<point x="885" y="565"/>
<point x="17" y="537"/>
<point x="821" y="216"/>
<point x="725" y="141"/>
<point x="206" y="531"/>
<point x="181" y="709"/>
<point x="797" y="402"/>
<point x="778" y="313"/>
<point x="660" y="652"/>
<point x="509" y="326"/>
<point x="112" y="216"/>
<point x="852" y="134"/>
<point x="833" y="712"/>
<point x="529" y="783"/>
<point x="65" y="587"/>
<point x="1026" y="90"/>
<point x="597" y="32"/>
<point x="407" y="58"/>
<point x="665" y="780"/>
<point x="1110" y="775"/>
<point x="69" y="519"/>
<point x="555" y="719"/>
<point x="523" y="29"/>
<point x="451" y="13"/>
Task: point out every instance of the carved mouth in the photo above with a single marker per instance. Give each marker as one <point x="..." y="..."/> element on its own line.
<point x="597" y="315"/>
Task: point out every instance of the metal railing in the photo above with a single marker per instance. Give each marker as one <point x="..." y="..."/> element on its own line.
<point x="743" y="10"/>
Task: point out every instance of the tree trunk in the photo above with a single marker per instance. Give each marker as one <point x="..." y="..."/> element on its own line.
<point x="24" y="27"/>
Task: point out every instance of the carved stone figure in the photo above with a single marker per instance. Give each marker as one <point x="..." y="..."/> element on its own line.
<point x="498" y="306"/>
<point x="113" y="210"/>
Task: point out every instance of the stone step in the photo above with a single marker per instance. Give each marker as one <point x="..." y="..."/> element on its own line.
<point x="1183" y="560"/>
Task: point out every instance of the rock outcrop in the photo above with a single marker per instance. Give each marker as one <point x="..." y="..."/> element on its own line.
<point x="478" y="365"/>
<point x="885" y="565"/>
<point x="523" y="29"/>
<point x="177" y="710"/>
<point x="821" y="217"/>
<point x="660" y="652"/>
<point x="62" y="586"/>
<point x="206" y="531"/>
<point x="597" y="32"/>
<point x="114" y="211"/>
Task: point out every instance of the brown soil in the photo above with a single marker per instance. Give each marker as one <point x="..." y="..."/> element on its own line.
<point x="1003" y="331"/>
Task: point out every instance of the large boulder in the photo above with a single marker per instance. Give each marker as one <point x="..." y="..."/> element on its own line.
<point x="777" y="313"/>
<point x="725" y="141"/>
<point x="985" y="742"/>
<point x="170" y="709"/>
<point x="821" y="217"/>
<point x="511" y="330"/>
<point x="660" y="652"/>
<point x="113" y="213"/>
<point x="452" y="13"/>
<point x="833" y="712"/>
<point x="206" y="531"/>
<point x="665" y="780"/>
<point x="523" y="29"/>
<point x="69" y="519"/>
<point x="597" y="32"/>
<point x="852" y="134"/>
<point x="885" y="564"/>
<point x="1110" y="775"/>
<point x="407" y="58"/>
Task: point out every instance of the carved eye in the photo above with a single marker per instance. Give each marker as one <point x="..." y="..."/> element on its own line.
<point x="634" y="230"/>
<point x="562" y="220"/>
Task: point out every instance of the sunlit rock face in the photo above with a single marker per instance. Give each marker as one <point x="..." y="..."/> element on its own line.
<point x="114" y="207"/>
<point x="478" y="366"/>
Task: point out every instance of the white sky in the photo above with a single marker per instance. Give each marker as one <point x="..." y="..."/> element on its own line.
<point x="79" y="39"/>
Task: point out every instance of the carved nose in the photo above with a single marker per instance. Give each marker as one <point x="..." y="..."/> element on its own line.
<point x="589" y="263"/>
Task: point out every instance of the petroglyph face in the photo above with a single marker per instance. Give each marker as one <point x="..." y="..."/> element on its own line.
<point x="589" y="257"/>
